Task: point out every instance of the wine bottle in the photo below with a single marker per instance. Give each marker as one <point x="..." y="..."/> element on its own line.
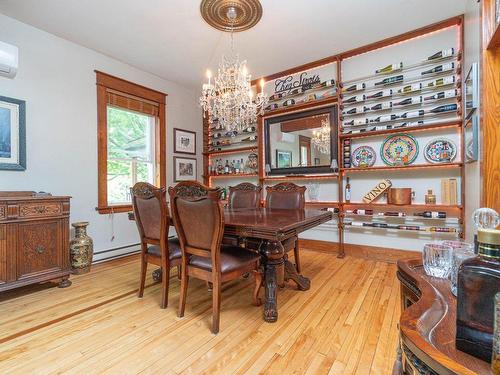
<point x="390" y="68"/>
<point x="347" y="193"/>
<point x="249" y="139"/>
<point x="379" y="225"/>
<point x="354" y="99"/>
<point x="356" y="122"/>
<point x="412" y="123"/>
<point x="356" y="87"/>
<point x="410" y="88"/>
<point x="361" y="212"/>
<point x="384" y="105"/>
<point x="384" y="118"/>
<point x="442" y="54"/>
<point x="392" y="214"/>
<point x="442" y="229"/>
<point x="442" y="81"/>
<point x="379" y="94"/>
<point x="407" y="101"/>
<point x="432" y="214"/>
<point x="390" y="80"/>
<point x="330" y="82"/>
<point x="226" y="167"/>
<point x="411" y="114"/>
<point x="409" y="227"/>
<point x="442" y="95"/>
<point x="366" y="108"/>
<point x="444" y="108"/>
<point x="271" y="107"/>
<point x="250" y="129"/>
<point x="353" y="111"/>
<point x="439" y="68"/>
<point x="276" y="96"/>
<point x="288" y="102"/>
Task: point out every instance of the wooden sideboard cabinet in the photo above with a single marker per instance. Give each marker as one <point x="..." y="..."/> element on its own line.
<point x="34" y="239"/>
<point x="427" y="327"/>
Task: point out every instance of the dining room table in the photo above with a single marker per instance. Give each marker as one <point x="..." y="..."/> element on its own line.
<point x="270" y="227"/>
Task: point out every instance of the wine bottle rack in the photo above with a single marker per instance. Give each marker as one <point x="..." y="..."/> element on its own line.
<point x="408" y="68"/>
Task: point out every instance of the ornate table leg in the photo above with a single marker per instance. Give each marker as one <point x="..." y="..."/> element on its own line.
<point x="303" y="283"/>
<point x="274" y="275"/>
<point x="156" y="275"/>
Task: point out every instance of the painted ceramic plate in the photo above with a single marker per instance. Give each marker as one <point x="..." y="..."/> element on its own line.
<point x="399" y="149"/>
<point x="363" y="156"/>
<point x="440" y="150"/>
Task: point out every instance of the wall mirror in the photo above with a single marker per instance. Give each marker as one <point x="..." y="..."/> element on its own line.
<point x="301" y="143"/>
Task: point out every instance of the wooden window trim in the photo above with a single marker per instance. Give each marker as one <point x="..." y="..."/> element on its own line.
<point x="105" y="83"/>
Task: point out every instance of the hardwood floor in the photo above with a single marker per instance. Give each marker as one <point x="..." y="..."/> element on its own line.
<point x="345" y="324"/>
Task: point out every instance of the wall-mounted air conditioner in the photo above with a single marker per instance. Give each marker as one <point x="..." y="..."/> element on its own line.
<point x="9" y="60"/>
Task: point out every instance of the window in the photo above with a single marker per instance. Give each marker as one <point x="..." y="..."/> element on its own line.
<point x="131" y="140"/>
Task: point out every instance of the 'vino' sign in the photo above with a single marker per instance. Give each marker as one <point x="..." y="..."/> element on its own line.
<point x="377" y="191"/>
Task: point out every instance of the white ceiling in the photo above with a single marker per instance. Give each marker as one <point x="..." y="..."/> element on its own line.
<point x="170" y="39"/>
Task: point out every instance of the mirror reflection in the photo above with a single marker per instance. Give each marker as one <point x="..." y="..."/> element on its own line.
<point x="302" y="142"/>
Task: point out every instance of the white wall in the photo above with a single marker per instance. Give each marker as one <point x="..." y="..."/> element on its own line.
<point x="472" y="42"/>
<point x="56" y="79"/>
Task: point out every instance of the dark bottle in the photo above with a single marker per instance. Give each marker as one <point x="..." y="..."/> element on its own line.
<point x="390" y="80"/>
<point x="442" y="95"/>
<point x="288" y="102"/>
<point x="411" y="114"/>
<point x="379" y="94"/>
<point x="442" y="54"/>
<point x="444" y="108"/>
<point x="478" y="282"/>
<point x="226" y="168"/>
<point x="354" y="99"/>
<point x="356" y="87"/>
<point x="361" y="212"/>
<point x="439" y="68"/>
<point x="385" y="105"/>
<point x="432" y="214"/>
<point x="392" y="213"/>
<point x="384" y="118"/>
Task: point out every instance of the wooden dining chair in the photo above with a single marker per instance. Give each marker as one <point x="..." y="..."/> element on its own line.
<point x="199" y="221"/>
<point x="152" y="219"/>
<point x="287" y="195"/>
<point x="244" y="195"/>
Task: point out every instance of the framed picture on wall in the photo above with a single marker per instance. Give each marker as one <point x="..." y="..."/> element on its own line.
<point x="184" y="169"/>
<point x="283" y="159"/>
<point x="184" y="141"/>
<point x="12" y="134"/>
<point x="471" y="143"/>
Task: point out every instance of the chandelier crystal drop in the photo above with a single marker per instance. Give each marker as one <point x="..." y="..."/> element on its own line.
<point x="321" y="137"/>
<point x="230" y="98"/>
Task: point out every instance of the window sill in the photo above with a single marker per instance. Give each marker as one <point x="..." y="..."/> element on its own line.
<point x="114" y="209"/>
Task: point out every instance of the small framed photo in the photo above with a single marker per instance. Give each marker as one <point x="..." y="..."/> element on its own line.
<point x="184" y="141"/>
<point x="283" y="159"/>
<point x="184" y="169"/>
<point x="12" y="134"/>
<point x="471" y="139"/>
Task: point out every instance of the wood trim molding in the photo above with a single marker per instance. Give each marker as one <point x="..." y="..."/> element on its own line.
<point x="379" y="254"/>
<point x="490" y="112"/>
<point x="130" y="88"/>
<point x="105" y="82"/>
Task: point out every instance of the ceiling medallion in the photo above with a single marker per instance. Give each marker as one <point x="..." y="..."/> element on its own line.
<point x="245" y="14"/>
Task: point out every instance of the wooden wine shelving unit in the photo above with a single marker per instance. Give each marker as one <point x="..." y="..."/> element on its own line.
<point x="337" y="99"/>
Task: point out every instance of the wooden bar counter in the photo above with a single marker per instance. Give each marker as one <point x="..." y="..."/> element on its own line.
<point x="427" y="326"/>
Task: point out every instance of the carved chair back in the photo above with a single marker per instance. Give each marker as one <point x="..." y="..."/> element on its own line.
<point x="150" y="211"/>
<point x="285" y="195"/>
<point x="198" y="219"/>
<point x="244" y="195"/>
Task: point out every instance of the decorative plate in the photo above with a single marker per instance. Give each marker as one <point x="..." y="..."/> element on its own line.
<point x="363" y="156"/>
<point x="399" y="149"/>
<point x="440" y="150"/>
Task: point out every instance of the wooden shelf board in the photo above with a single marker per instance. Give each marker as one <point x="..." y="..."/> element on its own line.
<point x="297" y="107"/>
<point x="240" y="175"/>
<point x="322" y="204"/>
<point x="403" y="168"/>
<point x="416" y="206"/>
<point x="330" y="176"/>
<point x="411" y="129"/>
<point x="232" y="151"/>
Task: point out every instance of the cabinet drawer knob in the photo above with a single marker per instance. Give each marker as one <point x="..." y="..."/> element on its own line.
<point x="40" y="249"/>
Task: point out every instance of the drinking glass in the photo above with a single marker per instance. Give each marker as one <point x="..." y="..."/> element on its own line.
<point x="461" y="251"/>
<point x="437" y="260"/>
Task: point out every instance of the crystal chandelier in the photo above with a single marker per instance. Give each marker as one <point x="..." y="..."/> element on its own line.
<point x="321" y="137"/>
<point x="230" y="98"/>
